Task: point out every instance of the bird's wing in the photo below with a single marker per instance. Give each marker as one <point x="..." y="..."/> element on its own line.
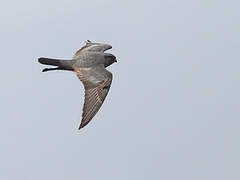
<point x="92" y="47"/>
<point x="97" y="81"/>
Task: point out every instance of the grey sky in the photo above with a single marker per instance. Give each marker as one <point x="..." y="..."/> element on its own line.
<point x="173" y="109"/>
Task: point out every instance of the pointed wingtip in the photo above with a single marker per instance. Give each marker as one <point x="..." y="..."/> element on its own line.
<point x="81" y="126"/>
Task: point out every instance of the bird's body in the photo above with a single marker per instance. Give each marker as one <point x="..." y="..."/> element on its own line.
<point x="86" y="59"/>
<point x="89" y="63"/>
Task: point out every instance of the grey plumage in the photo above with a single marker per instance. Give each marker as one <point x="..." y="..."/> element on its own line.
<point x="92" y="47"/>
<point x="89" y="63"/>
<point x="84" y="60"/>
<point x="97" y="82"/>
<point x="62" y="64"/>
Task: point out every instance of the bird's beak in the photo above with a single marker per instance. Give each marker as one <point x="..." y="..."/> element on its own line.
<point x="115" y="60"/>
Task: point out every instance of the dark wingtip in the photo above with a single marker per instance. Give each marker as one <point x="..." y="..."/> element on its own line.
<point x="81" y="126"/>
<point x="109" y="47"/>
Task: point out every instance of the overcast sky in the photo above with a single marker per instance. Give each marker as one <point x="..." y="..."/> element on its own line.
<point x="172" y="112"/>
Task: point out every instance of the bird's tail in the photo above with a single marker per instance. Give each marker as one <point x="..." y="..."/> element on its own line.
<point x="62" y="64"/>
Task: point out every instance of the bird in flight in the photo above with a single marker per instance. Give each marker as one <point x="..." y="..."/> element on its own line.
<point x="89" y="63"/>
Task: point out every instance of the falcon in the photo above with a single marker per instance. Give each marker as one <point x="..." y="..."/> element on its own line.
<point x="89" y="63"/>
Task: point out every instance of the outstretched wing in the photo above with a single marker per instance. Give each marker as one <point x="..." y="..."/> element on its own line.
<point x="97" y="81"/>
<point x="92" y="47"/>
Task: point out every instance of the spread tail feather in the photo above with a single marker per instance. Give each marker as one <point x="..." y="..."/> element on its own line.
<point x="57" y="68"/>
<point x="62" y="64"/>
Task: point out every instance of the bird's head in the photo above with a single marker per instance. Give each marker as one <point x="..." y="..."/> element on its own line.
<point x="109" y="59"/>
